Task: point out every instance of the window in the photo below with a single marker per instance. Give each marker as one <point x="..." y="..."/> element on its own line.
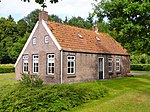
<point x="35" y="63"/>
<point x="25" y="63"/>
<point x="34" y="41"/>
<point x="110" y="64"/>
<point x="117" y="64"/>
<point x="46" y="39"/>
<point x="71" y="64"/>
<point x="50" y="63"/>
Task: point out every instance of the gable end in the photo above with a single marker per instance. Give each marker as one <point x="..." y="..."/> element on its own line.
<point x="51" y="35"/>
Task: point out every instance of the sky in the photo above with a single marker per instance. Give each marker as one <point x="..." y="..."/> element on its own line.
<point x="19" y="9"/>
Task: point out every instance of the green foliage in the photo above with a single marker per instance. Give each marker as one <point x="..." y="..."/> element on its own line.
<point x="42" y="2"/>
<point x="79" y="22"/>
<point x="140" y="59"/>
<point x="31" y="80"/>
<point x="55" y="18"/>
<point x="6" y="68"/>
<point x="140" y="67"/>
<point x="129" y="22"/>
<point x="8" y="36"/>
<point x="31" y="19"/>
<point x="52" y="98"/>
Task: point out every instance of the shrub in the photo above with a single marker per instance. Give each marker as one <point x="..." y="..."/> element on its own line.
<point x="31" y="80"/>
<point x="140" y="59"/>
<point x="140" y="67"/>
<point x="6" y="68"/>
<point x="51" y="98"/>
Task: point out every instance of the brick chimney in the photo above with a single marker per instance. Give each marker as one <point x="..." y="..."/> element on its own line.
<point x="95" y="28"/>
<point x="43" y="15"/>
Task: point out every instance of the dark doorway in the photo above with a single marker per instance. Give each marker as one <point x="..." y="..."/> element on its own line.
<point x="101" y="68"/>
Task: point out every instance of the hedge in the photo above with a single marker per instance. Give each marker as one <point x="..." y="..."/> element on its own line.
<point x="49" y="98"/>
<point x="140" y="67"/>
<point x="6" y="68"/>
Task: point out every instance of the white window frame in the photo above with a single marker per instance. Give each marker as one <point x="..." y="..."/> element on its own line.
<point x="110" y="65"/>
<point x="35" y="63"/>
<point x="117" y="64"/>
<point x="46" y="39"/>
<point x="71" y="59"/>
<point x="51" y="64"/>
<point x="25" y="63"/>
<point x="34" y="41"/>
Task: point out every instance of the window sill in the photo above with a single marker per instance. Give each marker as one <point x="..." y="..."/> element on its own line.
<point x="50" y="75"/>
<point x="71" y="76"/>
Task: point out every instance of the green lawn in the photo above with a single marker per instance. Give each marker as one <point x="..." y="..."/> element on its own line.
<point x="126" y="95"/>
<point x="129" y="94"/>
<point x="7" y="78"/>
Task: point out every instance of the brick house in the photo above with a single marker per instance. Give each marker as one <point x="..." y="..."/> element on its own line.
<point x="65" y="54"/>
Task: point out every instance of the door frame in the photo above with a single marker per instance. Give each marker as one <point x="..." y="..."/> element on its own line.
<point x="103" y="66"/>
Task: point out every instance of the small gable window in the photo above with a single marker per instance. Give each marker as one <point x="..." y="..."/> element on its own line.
<point x="34" y="41"/>
<point x="110" y="64"/>
<point x="25" y="63"/>
<point x="71" y="64"/>
<point x="50" y="64"/>
<point x="117" y="64"/>
<point x="46" y="39"/>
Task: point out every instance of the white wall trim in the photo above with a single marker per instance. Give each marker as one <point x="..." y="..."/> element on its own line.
<point x="26" y="44"/>
<point x="61" y="67"/>
<point x="51" y="35"/>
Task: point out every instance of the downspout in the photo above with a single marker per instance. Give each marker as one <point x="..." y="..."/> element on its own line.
<point x="61" y="66"/>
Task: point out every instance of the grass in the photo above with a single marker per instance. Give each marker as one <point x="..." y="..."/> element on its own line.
<point x="129" y="94"/>
<point x="126" y="95"/>
<point x="141" y="72"/>
<point x="7" y="79"/>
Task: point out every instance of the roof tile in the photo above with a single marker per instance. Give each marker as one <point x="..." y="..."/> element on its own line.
<point x="67" y="37"/>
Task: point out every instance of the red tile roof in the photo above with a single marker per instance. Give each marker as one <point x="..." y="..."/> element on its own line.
<point x="68" y="38"/>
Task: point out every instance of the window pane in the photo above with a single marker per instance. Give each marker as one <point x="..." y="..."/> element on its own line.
<point x="72" y="70"/>
<point x="52" y="69"/>
<point x="69" y="64"/>
<point x="72" y="64"/>
<point x="52" y="64"/>
<point x="68" y="70"/>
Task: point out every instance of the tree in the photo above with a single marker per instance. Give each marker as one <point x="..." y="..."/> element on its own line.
<point x="42" y="2"/>
<point x="31" y="19"/>
<point x="15" y="49"/>
<point x="8" y="36"/>
<point x="21" y="27"/>
<point x="129" y="22"/>
<point x="79" y="22"/>
<point x="55" y="18"/>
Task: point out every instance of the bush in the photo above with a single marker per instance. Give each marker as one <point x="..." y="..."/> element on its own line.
<point x="31" y="80"/>
<point x="6" y="68"/>
<point x="51" y="98"/>
<point x="140" y="67"/>
<point x="140" y="59"/>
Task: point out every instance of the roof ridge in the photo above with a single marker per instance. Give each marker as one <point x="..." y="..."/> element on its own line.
<point x="73" y="26"/>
